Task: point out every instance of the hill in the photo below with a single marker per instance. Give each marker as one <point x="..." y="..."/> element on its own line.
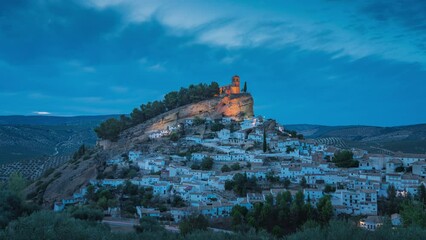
<point x="407" y="139"/>
<point x="52" y="120"/>
<point x="29" y="137"/>
<point x="90" y="166"/>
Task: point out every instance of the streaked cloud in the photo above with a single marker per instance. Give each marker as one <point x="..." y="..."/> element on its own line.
<point x="41" y="113"/>
<point x="348" y="33"/>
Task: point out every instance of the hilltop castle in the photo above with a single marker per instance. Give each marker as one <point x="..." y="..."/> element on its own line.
<point x="233" y="88"/>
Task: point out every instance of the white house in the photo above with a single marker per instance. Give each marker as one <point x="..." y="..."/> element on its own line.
<point x="222" y="157"/>
<point x="393" y="164"/>
<point x="155" y="135"/>
<point x="248" y="123"/>
<point x="371" y="223"/>
<point x="396" y="219"/>
<point x="194" y="139"/>
<point x="378" y="161"/>
<point x="224" y="134"/>
<point x="160" y="188"/>
<point x="150" y="212"/>
<point x="255" y="137"/>
<point x="409" y="159"/>
<point x="241" y="135"/>
<point x="189" y="122"/>
<point x="116" y="161"/>
<point x="359" y="202"/>
<point x="312" y="195"/>
<point x="198" y="156"/>
<point x="226" y="120"/>
<point x="112" y="182"/>
<point x="419" y="168"/>
<point x="134" y="155"/>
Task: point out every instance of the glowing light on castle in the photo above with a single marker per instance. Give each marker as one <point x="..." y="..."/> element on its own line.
<point x="233" y="88"/>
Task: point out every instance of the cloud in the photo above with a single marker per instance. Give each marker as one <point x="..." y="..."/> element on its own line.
<point x="229" y="59"/>
<point x="157" y="68"/>
<point x="37" y="95"/>
<point x="42" y="113"/>
<point x="119" y="89"/>
<point x="348" y="34"/>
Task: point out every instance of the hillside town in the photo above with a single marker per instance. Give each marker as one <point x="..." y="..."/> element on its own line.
<point x="203" y="157"/>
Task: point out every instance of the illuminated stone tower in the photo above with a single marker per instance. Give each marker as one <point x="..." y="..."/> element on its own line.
<point x="235" y="86"/>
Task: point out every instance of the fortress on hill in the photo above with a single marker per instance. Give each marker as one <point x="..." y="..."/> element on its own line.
<point x="233" y="88"/>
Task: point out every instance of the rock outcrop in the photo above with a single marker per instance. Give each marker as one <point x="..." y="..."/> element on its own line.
<point x="237" y="107"/>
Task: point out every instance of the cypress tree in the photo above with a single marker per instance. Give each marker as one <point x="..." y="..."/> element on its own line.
<point x="245" y="87"/>
<point x="265" y="147"/>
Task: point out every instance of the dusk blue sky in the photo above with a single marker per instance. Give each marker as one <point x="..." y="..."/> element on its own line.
<point x="315" y="61"/>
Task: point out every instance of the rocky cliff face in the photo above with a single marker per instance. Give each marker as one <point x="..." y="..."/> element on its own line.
<point x="235" y="106"/>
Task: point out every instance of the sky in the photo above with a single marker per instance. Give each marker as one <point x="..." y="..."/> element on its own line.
<point x="315" y="61"/>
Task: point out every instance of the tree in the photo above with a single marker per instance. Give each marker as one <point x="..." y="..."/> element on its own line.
<point x="413" y="213"/>
<point x="225" y="168"/>
<point x="399" y="169"/>
<point x="171" y="100"/>
<point x="235" y="167"/>
<point x="195" y="166"/>
<point x="289" y="149"/>
<point x="12" y="206"/>
<point x="80" y="152"/>
<point x="421" y="194"/>
<point x="17" y="183"/>
<point x="344" y="159"/>
<point x="216" y="127"/>
<point x="329" y="189"/>
<point x="238" y="214"/>
<point x="174" y="137"/>
<point x="199" y="121"/>
<point x="270" y="176"/>
<point x="325" y="209"/>
<point x="178" y="201"/>
<point x="148" y="224"/>
<point x="229" y="185"/>
<point x="193" y="223"/>
<point x="86" y="213"/>
<point x="245" y="87"/>
<point x="303" y="182"/>
<point x="241" y="184"/>
<point x="286" y="182"/>
<point x="110" y="129"/>
<point x="207" y="164"/>
<point x="265" y="145"/>
<point x="90" y="193"/>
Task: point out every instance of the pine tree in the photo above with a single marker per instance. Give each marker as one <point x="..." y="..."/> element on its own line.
<point x="422" y="194"/>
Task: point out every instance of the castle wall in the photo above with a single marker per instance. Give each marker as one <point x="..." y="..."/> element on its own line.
<point x="234" y="88"/>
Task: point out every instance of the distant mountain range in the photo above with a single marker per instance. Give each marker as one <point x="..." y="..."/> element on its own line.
<point x="52" y="120"/>
<point x="407" y="139"/>
<point x="29" y="137"/>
